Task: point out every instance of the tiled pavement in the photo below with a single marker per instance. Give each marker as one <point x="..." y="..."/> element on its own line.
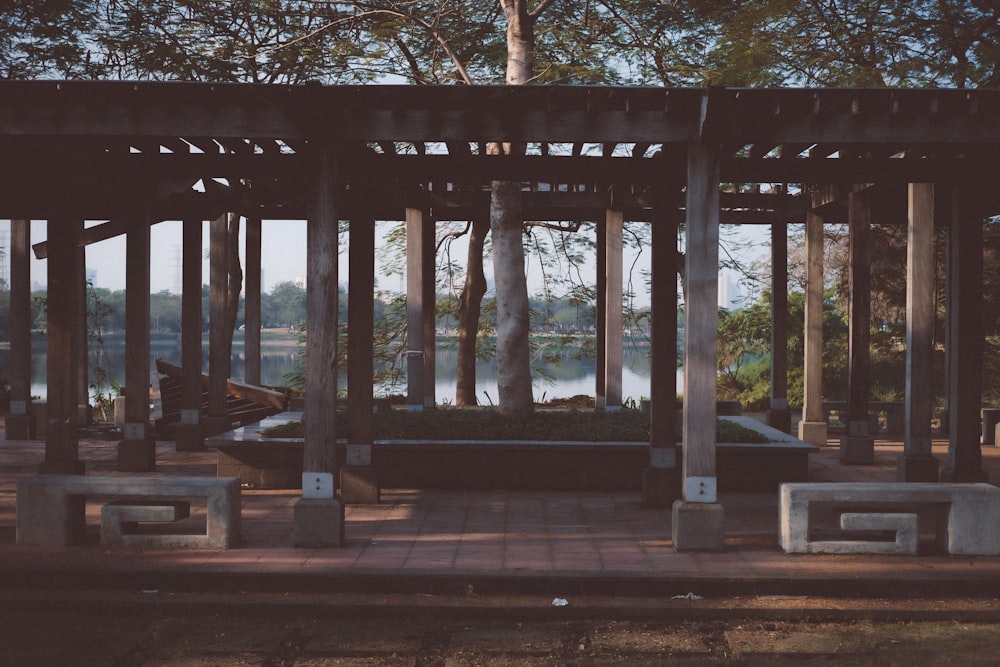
<point x="513" y="541"/>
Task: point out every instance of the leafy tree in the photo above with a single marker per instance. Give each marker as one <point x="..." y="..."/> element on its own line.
<point x="286" y="305"/>
<point x="239" y="41"/>
<point x="102" y="383"/>
<point x="47" y="38"/>
<point x="165" y="312"/>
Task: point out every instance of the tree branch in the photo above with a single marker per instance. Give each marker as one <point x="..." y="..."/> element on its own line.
<point x="540" y="9"/>
<point x="438" y="37"/>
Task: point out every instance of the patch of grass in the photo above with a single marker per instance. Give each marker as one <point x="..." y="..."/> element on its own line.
<point x="488" y="424"/>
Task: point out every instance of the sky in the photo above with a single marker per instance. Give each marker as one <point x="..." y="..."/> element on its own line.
<point x="283" y="252"/>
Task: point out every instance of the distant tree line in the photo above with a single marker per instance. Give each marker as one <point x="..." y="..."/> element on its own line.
<point x="285" y="307"/>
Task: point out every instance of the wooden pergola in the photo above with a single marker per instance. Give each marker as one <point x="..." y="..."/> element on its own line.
<point x="134" y="154"/>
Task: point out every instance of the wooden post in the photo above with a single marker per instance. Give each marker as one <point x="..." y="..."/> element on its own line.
<point x="428" y="301"/>
<point x="61" y="448"/>
<point x="217" y="419"/>
<point x="778" y="415"/>
<point x="188" y="434"/>
<point x="81" y="337"/>
<point x="661" y="479"/>
<point x="20" y="423"/>
<point x="319" y="514"/>
<point x="965" y="340"/>
<point x="137" y="450"/>
<point x="358" y="479"/>
<point x="857" y="445"/>
<point x="251" y="300"/>
<point x="613" y="324"/>
<point x="917" y="464"/>
<point x="813" y="426"/>
<point x="601" y="317"/>
<point x="697" y="518"/>
<point x="415" y="366"/>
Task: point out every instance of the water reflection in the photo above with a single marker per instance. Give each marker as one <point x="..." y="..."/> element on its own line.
<point x="568" y="377"/>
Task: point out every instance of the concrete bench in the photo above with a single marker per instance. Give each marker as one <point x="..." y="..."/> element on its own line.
<point x="966" y="517"/>
<point x="51" y="509"/>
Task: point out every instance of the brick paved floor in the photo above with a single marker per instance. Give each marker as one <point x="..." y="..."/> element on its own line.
<point x="514" y="536"/>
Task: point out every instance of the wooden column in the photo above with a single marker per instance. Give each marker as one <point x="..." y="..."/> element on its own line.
<point x="137" y="450"/>
<point x="428" y="303"/>
<point x="81" y="331"/>
<point x="188" y="434"/>
<point x="415" y="366"/>
<point x="61" y="447"/>
<point x="217" y="420"/>
<point x="601" y="317"/>
<point x="661" y="479"/>
<point x="917" y="464"/>
<point x="613" y="321"/>
<point x="251" y="304"/>
<point x="813" y="426"/>
<point x="319" y="514"/>
<point x="697" y="518"/>
<point x="857" y="445"/>
<point x="778" y="415"/>
<point x="20" y="423"/>
<point x="358" y="479"/>
<point x="965" y="340"/>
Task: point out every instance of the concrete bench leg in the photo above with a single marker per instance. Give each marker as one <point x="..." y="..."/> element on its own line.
<point x="120" y="518"/>
<point x="904" y="523"/>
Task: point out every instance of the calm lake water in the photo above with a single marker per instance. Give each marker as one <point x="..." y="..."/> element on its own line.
<point x="570" y="377"/>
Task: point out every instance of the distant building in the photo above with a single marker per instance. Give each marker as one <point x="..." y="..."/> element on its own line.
<point x="732" y="296"/>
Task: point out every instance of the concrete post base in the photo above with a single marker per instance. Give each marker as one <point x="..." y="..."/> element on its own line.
<point x="917" y="469"/>
<point x="954" y="476"/>
<point x="661" y="487"/>
<point x="698" y="527"/>
<point x="137" y="455"/>
<point x="780" y="419"/>
<point x="815" y="433"/>
<point x="189" y="438"/>
<point x="319" y="522"/>
<point x="20" y="427"/>
<point x="359" y="485"/>
<point x="857" y="450"/>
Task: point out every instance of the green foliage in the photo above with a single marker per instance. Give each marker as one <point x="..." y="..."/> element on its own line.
<point x="47" y="38"/>
<point x="744" y="338"/>
<point x="104" y="388"/>
<point x="285" y="306"/>
<point x="390" y="345"/>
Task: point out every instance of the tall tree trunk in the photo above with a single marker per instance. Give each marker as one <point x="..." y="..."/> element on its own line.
<point x="469" y="309"/>
<point x="506" y="223"/>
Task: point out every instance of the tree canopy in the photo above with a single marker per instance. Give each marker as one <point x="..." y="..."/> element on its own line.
<point x="679" y="43"/>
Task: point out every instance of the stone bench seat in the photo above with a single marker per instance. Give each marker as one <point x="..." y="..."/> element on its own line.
<point x="51" y="509"/>
<point x="965" y="517"/>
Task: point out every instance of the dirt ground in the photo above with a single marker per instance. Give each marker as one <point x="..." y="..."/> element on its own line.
<point x="188" y="637"/>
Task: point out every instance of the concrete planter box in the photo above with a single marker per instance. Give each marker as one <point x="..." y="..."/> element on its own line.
<point x="510" y="464"/>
